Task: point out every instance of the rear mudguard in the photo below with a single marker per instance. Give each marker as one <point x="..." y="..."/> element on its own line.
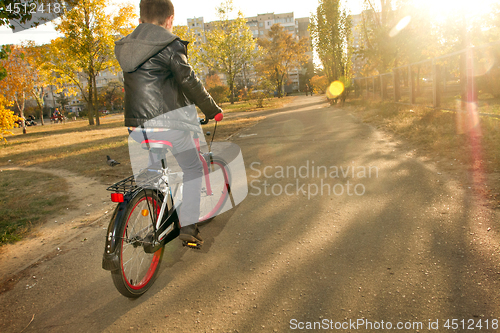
<point x="110" y="260"/>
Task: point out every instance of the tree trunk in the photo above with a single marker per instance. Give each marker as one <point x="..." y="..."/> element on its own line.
<point x="38" y="99"/>
<point x="90" y="107"/>
<point x="231" y="83"/>
<point x="418" y="80"/>
<point x="21" y="112"/>
<point x="53" y="100"/>
<point x="231" y="88"/>
<point x="41" y="106"/>
<point x="97" y="120"/>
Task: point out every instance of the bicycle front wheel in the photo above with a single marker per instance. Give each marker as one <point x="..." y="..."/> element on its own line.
<point x="215" y="189"/>
<point x="138" y="269"/>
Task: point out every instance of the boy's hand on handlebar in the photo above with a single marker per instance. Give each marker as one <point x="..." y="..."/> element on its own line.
<point x="219" y="116"/>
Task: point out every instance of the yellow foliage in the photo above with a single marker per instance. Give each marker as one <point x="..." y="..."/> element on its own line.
<point x="213" y="81"/>
<point x="7" y="118"/>
<point x="194" y="54"/>
<point x="319" y="84"/>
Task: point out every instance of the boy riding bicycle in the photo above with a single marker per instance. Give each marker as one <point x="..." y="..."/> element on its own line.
<point x="160" y="84"/>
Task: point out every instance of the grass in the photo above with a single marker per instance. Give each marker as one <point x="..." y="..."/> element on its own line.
<point x="26" y="198"/>
<point x="82" y="149"/>
<point x="443" y="134"/>
<point x="246" y="106"/>
<point x="75" y="147"/>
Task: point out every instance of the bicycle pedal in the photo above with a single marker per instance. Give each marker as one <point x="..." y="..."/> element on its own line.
<point x="191" y="245"/>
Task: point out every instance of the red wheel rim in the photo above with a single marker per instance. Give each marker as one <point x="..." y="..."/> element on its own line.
<point x="156" y="256"/>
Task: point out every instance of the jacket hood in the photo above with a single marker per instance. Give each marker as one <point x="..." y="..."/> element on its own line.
<point x="146" y="41"/>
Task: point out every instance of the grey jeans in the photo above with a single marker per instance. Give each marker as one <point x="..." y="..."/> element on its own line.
<point x="186" y="154"/>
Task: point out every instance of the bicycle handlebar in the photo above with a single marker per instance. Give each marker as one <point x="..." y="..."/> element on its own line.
<point x="218" y="117"/>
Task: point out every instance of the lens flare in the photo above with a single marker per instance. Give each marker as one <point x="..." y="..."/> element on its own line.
<point x="335" y="89"/>
<point x="467" y="121"/>
<point x="400" y="26"/>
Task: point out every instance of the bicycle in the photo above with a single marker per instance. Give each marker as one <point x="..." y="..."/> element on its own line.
<point x="145" y="218"/>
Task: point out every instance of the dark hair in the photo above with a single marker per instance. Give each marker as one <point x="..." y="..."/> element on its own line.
<point x="155" y="11"/>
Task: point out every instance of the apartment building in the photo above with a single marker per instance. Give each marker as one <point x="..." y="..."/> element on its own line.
<point x="197" y="25"/>
<point x="260" y="24"/>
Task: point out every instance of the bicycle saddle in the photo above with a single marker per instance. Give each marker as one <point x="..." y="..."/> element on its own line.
<point x="157" y="146"/>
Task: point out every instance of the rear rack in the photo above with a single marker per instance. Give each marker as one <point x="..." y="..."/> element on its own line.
<point x="129" y="184"/>
<point x="123" y="186"/>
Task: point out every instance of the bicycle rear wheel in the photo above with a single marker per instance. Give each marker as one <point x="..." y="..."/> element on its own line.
<point x="215" y="189"/>
<point x="138" y="269"/>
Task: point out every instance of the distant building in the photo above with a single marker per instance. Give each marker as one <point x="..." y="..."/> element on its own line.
<point x="260" y="24"/>
<point x="197" y="25"/>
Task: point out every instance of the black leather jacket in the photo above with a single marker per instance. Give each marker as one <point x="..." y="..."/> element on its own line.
<point x="158" y="78"/>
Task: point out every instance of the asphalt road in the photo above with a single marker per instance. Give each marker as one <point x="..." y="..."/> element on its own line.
<point x="395" y="242"/>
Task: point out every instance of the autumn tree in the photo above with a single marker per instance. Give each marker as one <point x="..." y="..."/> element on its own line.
<point x="461" y="30"/>
<point x="18" y="84"/>
<point x="4" y="54"/>
<point x="13" y="14"/>
<point x="377" y="47"/>
<point x="87" y="47"/>
<point x="394" y="33"/>
<point x="489" y="81"/>
<point x="330" y="31"/>
<point x="7" y="118"/>
<point x="194" y="55"/>
<point x="281" y="52"/>
<point x="229" y="45"/>
<point x="111" y="95"/>
<point x="42" y="78"/>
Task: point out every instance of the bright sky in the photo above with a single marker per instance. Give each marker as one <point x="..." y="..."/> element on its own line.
<point x="471" y="8"/>
<point x="189" y="9"/>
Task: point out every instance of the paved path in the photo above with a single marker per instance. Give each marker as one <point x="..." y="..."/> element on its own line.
<point x="406" y="243"/>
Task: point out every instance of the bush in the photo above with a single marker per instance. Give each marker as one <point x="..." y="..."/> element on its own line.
<point x="259" y="97"/>
<point x="245" y="94"/>
<point x="219" y="93"/>
<point x="490" y="82"/>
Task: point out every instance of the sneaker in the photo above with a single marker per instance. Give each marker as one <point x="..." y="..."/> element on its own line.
<point x="190" y="233"/>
